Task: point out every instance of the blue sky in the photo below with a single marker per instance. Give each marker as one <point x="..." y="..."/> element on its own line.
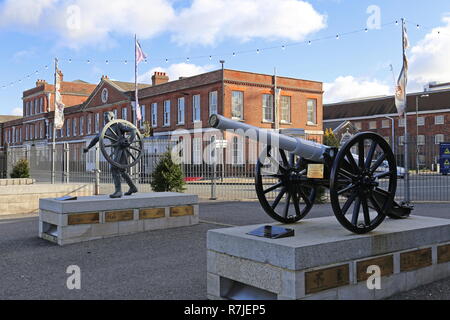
<point x="33" y="33"/>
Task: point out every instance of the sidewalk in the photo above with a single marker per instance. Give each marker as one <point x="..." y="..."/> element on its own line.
<point x="164" y="264"/>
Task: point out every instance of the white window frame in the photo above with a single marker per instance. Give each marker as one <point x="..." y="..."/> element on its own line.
<point x="154" y="115"/>
<point x="180" y="108"/>
<point x="285" y="109"/>
<point x="372" y="125"/>
<point x="385" y="123"/>
<point x="196" y="108"/>
<point x="68" y="126"/>
<point x="314" y="112"/>
<point x="97" y="122"/>
<point x="421" y="121"/>
<point x="401" y="122"/>
<point x="74" y="127"/>
<point x="89" y="124"/>
<point x="197" y="151"/>
<point x="166" y="118"/>
<point x="237" y="105"/>
<point x="81" y="126"/>
<point x="267" y="107"/>
<point x="439" y="138"/>
<point x="237" y="150"/>
<point x="420" y="140"/>
<point x="141" y="123"/>
<point x="213" y="103"/>
<point x="125" y="113"/>
<point x="358" y="125"/>
<point x="439" y="120"/>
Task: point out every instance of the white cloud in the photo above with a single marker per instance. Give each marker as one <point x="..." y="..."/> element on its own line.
<point x="349" y="87"/>
<point x="93" y="22"/>
<point x="207" y="21"/>
<point x="16" y="112"/>
<point x="175" y="71"/>
<point x="429" y="58"/>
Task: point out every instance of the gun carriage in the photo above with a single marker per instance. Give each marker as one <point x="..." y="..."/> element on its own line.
<point x="293" y="169"/>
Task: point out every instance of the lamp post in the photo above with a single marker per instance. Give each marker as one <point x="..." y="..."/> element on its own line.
<point x="417" y="129"/>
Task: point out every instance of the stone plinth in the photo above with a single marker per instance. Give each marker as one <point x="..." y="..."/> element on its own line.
<point x="325" y="261"/>
<point x="97" y="217"/>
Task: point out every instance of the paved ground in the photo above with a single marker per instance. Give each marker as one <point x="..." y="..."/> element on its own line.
<point x="165" y="264"/>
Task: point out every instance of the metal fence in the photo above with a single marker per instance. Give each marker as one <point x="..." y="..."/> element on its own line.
<point x="223" y="180"/>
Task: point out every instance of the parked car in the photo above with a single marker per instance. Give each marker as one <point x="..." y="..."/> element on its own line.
<point x="384" y="167"/>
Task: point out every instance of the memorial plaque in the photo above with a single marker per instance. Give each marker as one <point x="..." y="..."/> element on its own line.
<point x="414" y="260"/>
<point x="385" y="263"/>
<point x="83" y="218"/>
<point x="443" y="253"/>
<point x="315" y="171"/>
<point x="182" y="211"/>
<point x="320" y="280"/>
<point x="120" y="215"/>
<point x="153" y="213"/>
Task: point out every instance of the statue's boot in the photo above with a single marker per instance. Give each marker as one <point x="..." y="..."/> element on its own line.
<point x="117" y="186"/>
<point x="133" y="188"/>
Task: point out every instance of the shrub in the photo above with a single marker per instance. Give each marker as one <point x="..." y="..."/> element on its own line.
<point x="167" y="176"/>
<point x="21" y="169"/>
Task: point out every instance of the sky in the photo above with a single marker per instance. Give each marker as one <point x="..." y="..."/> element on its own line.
<point x="183" y="38"/>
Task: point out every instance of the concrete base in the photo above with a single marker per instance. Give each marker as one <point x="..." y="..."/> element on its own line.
<point x="325" y="261"/>
<point x="97" y="217"/>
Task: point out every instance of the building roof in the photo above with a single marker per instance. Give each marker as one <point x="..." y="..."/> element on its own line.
<point x="8" y="118"/>
<point x="128" y="86"/>
<point x="436" y="100"/>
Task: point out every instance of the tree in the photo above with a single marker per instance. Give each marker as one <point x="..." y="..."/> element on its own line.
<point x="167" y="176"/>
<point x="329" y="139"/>
<point x="21" y="169"/>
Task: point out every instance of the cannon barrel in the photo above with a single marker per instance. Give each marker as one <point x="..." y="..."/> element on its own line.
<point x="304" y="148"/>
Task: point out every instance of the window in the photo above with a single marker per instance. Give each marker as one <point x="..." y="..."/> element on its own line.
<point x="439" y="138"/>
<point x="197" y="150"/>
<point x="285" y="107"/>
<point x="213" y="102"/>
<point x="154" y="115"/>
<point x="358" y="125"/>
<point x="141" y="122"/>
<point x="196" y="108"/>
<point x="267" y="107"/>
<point x="372" y="125"/>
<point x="166" y="121"/>
<point x="36" y="131"/>
<point x="68" y="128"/>
<point x="386" y="123"/>
<point x="89" y="124"/>
<point x="36" y="106"/>
<point x="237" y="105"/>
<point x="81" y="126"/>
<point x="237" y="149"/>
<point x="97" y="122"/>
<point x="125" y="113"/>
<point x="41" y="130"/>
<point x="27" y="134"/>
<point x="312" y="111"/>
<point x="401" y="140"/>
<point x="421" y="121"/>
<point x="41" y="105"/>
<point x="439" y="120"/>
<point x="421" y="140"/>
<point x="74" y="127"/>
<point x="388" y="139"/>
<point x="180" y="113"/>
<point x="401" y="122"/>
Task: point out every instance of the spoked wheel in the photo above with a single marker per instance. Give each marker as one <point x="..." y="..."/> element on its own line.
<point x="357" y="175"/>
<point x="117" y="142"/>
<point x="279" y="186"/>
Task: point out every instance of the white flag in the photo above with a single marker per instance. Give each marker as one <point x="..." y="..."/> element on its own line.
<point x="400" y="90"/>
<point x="59" y="106"/>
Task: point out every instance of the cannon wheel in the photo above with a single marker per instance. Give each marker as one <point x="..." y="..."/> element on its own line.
<point x="354" y="175"/>
<point x="287" y="187"/>
<point x="110" y="139"/>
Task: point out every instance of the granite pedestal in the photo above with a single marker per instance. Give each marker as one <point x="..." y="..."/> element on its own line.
<point x="325" y="261"/>
<point x="97" y="217"/>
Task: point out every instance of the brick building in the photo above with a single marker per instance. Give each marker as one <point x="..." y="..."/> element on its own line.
<point x="170" y="106"/>
<point x="428" y="115"/>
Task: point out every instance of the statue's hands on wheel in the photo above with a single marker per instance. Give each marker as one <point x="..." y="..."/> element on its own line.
<point x="85" y="150"/>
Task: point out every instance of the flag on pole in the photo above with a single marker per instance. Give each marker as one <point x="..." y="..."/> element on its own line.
<point x="59" y="106"/>
<point x="400" y="90"/>
<point x="139" y="57"/>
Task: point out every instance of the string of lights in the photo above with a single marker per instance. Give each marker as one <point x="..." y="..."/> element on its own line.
<point x="284" y="46"/>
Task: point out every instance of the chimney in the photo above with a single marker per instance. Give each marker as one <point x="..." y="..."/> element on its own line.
<point x="104" y="77"/>
<point x="159" y="78"/>
<point x="40" y="82"/>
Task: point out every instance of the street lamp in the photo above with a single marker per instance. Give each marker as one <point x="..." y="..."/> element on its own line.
<point x="417" y="129"/>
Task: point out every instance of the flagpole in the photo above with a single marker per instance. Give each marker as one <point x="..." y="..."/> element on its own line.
<point x="135" y="82"/>
<point x="54" y="127"/>
<point x="407" y="195"/>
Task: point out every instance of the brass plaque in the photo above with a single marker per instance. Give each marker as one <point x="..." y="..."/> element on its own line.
<point x="49" y="237"/>
<point x="385" y="263"/>
<point x="319" y="280"/>
<point x="152" y="213"/>
<point x="120" y="215"/>
<point x="83" y="218"/>
<point x="415" y="259"/>
<point x="182" y="211"/>
<point x="315" y="171"/>
<point x="443" y="253"/>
